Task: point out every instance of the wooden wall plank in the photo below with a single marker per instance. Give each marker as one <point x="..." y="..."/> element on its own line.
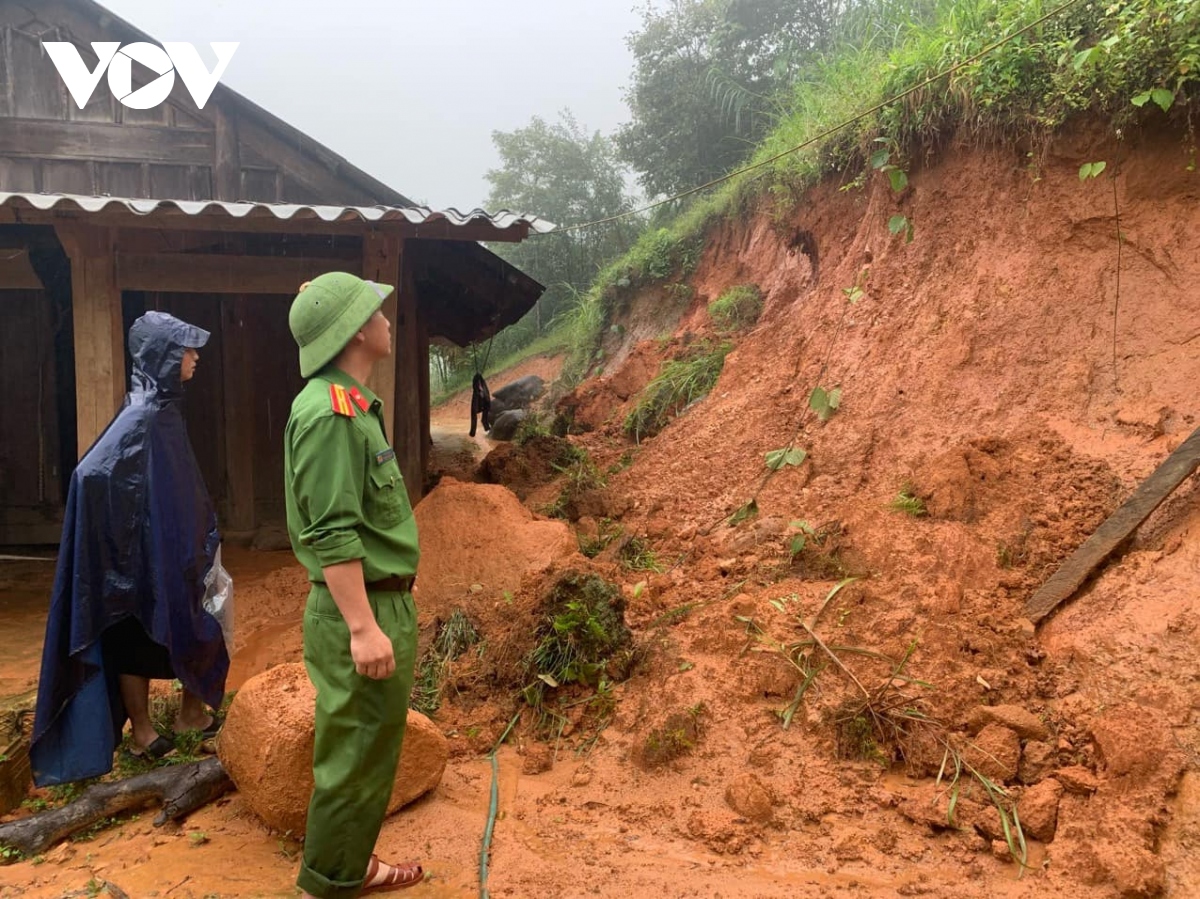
<point x="101" y="140"/>
<point x="221" y="274"/>
<point x="226" y="158"/>
<point x="62" y="177"/>
<point x="239" y="425"/>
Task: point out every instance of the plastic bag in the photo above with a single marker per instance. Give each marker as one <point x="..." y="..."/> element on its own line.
<point x="218" y="598"/>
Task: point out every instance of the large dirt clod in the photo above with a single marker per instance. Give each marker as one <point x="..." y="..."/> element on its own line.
<point x="266" y="746"/>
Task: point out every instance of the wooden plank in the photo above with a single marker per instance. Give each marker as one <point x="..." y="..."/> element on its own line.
<point x="99" y="332"/>
<point x="409" y="437"/>
<point x="1149" y="496"/>
<point x="300" y="165"/>
<point x="382" y="263"/>
<point x="16" y="722"/>
<point x="39" y="92"/>
<point x="210" y="273"/>
<point x="18" y="174"/>
<point x="62" y="177"/>
<point x="103" y="140"/>
<point x="226" y="159"/>
<point x="239" y="424"/>
<point x="170" y="182"/>
<point x="119" y="179"/>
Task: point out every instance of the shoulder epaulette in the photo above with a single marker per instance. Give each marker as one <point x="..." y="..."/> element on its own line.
<point x="358" y="398"/>
<point x="339" y="400"/>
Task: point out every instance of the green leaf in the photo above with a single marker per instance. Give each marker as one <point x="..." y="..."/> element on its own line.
<point x="1083" y="57"/>
<point x="897" y="223"/>
<point x="1141" y="99"/>
<point x="899" y="179"/>
<point x="777" y="459"/>
<point x="1091" y="170"/>
<point x="1163" y="97"/>
<point x="880" y="158"/>
<point x="825" y="403"/>
<point x="747" y="511"/>
<point x="853" y="294"/>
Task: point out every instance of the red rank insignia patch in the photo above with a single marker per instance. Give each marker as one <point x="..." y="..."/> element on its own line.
<point x="339" y="400"/>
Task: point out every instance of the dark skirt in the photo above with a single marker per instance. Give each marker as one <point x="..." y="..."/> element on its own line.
<point x="128" y="649"/>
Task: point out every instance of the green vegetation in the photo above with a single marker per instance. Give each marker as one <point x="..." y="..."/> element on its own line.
<point x="909" y="503"/>
<point x="454" y="637"/>
<point x="679" y="383"/>
<point x="637" y="555"/>
<point x="678" y="735"/>
<point x="581" y="640"/>
<point x="737" y="308"/>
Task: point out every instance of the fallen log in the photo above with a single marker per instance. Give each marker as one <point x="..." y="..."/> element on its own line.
<point x="1117" y="527"/>
<point x="180" y="788"/>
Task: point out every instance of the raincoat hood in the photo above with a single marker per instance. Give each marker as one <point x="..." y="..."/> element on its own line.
<point x="157" y="342"/>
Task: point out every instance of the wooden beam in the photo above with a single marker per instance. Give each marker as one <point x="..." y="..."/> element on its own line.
<point x="381" y="263"/>
<point x="409" y="437"/>
<point x="1116" y="528"/>
<point x="75" y="140"/>
<point x="210" y="273"/>
<point x="239" y="421"/>
<point x="227" y="166"/>
<point x="423" y="386"/>
<point x="99" y="331"/>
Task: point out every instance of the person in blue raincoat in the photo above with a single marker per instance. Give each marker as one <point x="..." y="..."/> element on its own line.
<point x="139" y="538"/>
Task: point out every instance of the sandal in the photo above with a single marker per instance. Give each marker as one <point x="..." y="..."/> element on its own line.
<point x="162" y="746"/>
<point x="382" y="877"/>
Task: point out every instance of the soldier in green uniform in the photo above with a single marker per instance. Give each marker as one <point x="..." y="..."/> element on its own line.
<point x="352" y="527"/>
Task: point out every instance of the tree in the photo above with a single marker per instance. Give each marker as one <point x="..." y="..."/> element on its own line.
<point x="710" y="77"/>
<point x="560" y="172"/>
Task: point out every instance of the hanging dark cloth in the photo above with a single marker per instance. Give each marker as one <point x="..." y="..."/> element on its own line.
<point x="481" y="403"/>
<point x="139" y="536"/>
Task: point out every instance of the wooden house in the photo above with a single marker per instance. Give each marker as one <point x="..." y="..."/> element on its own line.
<point x="216" y="215"/>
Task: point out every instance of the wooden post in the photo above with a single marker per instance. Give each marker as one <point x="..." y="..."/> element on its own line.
<point x="382" y="264"/>
<point x="239" y="421"/>
<point x="410" y="439"/>
<point x="423" y="385"/>
<point x="99" y="331"/>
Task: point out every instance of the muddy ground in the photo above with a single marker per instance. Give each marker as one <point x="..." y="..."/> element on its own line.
<point x="991" y="370"/>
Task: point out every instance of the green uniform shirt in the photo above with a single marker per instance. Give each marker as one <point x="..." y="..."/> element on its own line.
<point x="345" y="495"/>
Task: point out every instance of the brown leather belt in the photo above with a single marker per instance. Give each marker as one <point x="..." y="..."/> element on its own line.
<point x="394" y="584"/>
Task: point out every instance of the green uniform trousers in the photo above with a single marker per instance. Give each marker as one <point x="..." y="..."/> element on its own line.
<point x="359" y="731"/>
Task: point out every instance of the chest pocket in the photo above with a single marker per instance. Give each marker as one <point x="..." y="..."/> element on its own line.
<point x="387" y="497"/>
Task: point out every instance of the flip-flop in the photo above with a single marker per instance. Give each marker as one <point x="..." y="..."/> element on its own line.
<point x="161" y="746"/>
<point x="397" y="877"/>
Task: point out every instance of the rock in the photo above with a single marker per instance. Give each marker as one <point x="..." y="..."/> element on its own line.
<point x="1037" y="761"/>
<point x="1038" y="808"/>
<point x="266" y="746"/>
<point x="749" y="798"/>
<point x="538" y="757"/>
<point x="517" y="395"/>
<point x="504" y="427"/>
<point x="1022" y="722"/>
<point x="1077" y="779"/>
<point x="1001" y="851"/>
<point x="1136" y="742"/>
<point x="995" y="752"/>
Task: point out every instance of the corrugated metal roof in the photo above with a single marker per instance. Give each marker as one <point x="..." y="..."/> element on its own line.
<point x="416" y="215"/>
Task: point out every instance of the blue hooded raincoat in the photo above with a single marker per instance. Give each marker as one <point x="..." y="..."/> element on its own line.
<point x="139" y="537"/>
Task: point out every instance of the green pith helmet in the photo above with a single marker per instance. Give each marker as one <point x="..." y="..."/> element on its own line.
<point x="327" y="312"/>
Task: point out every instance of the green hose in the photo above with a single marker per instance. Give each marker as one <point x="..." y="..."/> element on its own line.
<point x="493" y="807"/>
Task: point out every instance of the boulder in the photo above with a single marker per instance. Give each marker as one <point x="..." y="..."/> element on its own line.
<point x="266" y="746"/>
<point x="517" y="395"/>
<point x="505" y="426"/>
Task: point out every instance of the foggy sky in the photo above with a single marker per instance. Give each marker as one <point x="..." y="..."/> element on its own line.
<point x="411" y="91"/>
